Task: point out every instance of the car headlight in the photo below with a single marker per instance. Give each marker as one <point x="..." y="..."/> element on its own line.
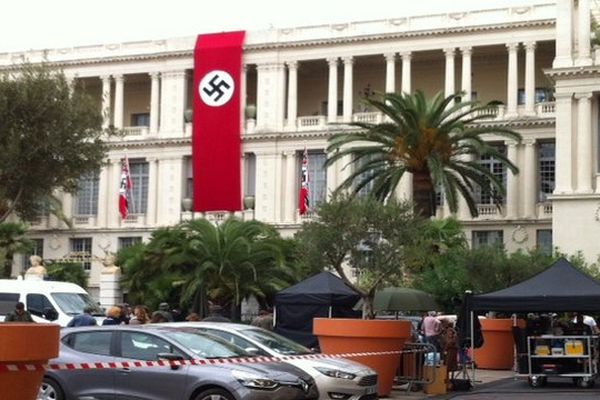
<point x="254" y="381"/>
<point x="335" y="373"/>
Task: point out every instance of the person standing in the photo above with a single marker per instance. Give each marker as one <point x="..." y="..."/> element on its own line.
<point x="113" y="316"/>
<point x="432" y="327"/>
<point x="141" y="316"/>
<point x="264" y="320"/>
<point x="20" y="314"/>
<point x="215" y="314"/>
<point x="84" y="319"/>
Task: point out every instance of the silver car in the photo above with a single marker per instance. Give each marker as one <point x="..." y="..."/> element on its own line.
<point x="337" y="379"/>
<point x="192" y="382"/>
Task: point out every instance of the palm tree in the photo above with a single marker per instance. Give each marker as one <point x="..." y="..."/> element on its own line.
<point x="439" y="141"/>
<point x="13" y="240"/>
<point x="232" y="260"/>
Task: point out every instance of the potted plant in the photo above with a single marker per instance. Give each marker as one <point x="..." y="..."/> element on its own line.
<point x="25" y="343"/>
<point x="372" y="238"/>
<point x="250" y="111"/>
<point x="249" y="202"/>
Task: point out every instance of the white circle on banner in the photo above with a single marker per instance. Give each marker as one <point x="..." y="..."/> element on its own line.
<point x="216" y="88"/>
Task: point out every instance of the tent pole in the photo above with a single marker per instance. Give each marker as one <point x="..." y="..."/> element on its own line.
<point x="274" y="316"/>
<point x="329" y="311"/>
<point x="473" y="346"/>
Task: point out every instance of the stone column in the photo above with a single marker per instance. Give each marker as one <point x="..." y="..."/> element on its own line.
<point x="110" y="289"/>
<point x="583" y="33"/>
<point x="530" y="78"/>
<point x="390" y="72"/>
<point x="119" y="101"/>
<point x="243" y="95"/>
<point x="406" y="67"/>
<point x="564" y="34"/>
<point x="172" y="101"/>
<point x="105" y="101"/>
<point x="333" y="91"/>
<point x="564" y="143"/>
<point x="103" y="189"/>
<point x="153" y="192"/>
<point x="449" y="88"/>
<point x="348" y="76"/>
<point x="530" y="177"/>
<point x="512" y="91"/>
<point x="292" y="103"/>
<point x="466" y="72"/>
<point x="154" y="101"/>
<point x="512" y="183"/>
<point x="291" y="194"/>
<point x="585" y="146"/>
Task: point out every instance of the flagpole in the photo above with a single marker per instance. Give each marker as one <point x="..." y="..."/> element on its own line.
<point x="129" y="192"/>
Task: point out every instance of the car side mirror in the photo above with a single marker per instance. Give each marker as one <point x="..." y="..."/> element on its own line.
<point x="170" y="357"/>
<point x="50" y="314"/>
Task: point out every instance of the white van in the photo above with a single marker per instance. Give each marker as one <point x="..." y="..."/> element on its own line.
<point x="47" y="301"/>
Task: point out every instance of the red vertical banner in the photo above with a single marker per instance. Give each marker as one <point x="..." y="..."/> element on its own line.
<point x="216" y="143"/>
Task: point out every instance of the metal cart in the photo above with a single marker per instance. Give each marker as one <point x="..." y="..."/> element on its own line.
<point x="547" y="356"/>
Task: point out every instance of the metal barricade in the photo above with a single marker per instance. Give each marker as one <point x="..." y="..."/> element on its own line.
<point x="411" y="370"/>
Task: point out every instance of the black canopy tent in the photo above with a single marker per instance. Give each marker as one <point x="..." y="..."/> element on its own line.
<point x="323" y="295"/>
<point x="561" y="287"/>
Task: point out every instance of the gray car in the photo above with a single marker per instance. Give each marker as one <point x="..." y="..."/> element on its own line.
<point x="273" y="381"/>
<point x="336" y="378"/>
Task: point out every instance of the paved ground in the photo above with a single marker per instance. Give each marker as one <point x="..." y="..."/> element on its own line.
<point x="500" y="385"/>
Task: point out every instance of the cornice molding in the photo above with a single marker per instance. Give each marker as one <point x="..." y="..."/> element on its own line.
<point x="153" y="56"/>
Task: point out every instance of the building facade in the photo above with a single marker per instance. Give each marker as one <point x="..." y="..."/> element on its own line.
<point x="537" y="60"/>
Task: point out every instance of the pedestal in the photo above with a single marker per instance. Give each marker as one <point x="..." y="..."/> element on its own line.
<point x="110" y="290"/>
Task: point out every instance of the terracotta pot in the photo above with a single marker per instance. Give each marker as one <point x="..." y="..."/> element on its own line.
<point x="358" y="335"/>
<point x="26" y="343"/>
<point x="497" y="351"/>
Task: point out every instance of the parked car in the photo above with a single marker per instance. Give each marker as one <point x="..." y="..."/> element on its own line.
<point x="226" y="381"/>
<point x="47" y="301"/>
<point x="336" y="378"/>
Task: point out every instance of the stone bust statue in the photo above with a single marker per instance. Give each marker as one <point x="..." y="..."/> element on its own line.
<point x="36" y="267"/>
<point x="109" y="265"/>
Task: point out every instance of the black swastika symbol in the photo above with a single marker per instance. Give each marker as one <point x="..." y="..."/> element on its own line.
<point x="216" y="88"/>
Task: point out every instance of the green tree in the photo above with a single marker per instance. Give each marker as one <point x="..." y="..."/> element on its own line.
<point x="12" y="240"/>
<point x="226" y="263"/>
<point x="364" y="234"/>
<point x="67" y="272"/>
<point x="50" y="136"/>
<point x="439" y="141"/>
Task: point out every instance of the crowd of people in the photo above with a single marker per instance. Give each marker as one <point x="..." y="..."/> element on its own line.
<point x="124" y="314"/>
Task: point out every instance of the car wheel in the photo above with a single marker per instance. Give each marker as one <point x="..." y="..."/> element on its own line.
<point x="50" y="390"/>
<point x="214" y="394"/>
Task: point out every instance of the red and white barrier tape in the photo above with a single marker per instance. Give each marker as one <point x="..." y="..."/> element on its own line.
<point x="16" y="367"/>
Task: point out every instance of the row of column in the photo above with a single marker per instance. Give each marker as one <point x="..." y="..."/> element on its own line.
<point x="568" y="51"/>
<point x="574" y="150"/>
<point x="118" y="114"/>
<point x="390" y="84"/>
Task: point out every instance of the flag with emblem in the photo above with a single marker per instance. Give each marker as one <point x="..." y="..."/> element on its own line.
<point x="303" y="202"/>
<point x="125" y="188"/>
<point x="216" y="140"/>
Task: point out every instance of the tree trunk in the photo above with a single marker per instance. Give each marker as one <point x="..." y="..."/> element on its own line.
<point x="368" y="311"/>
<point x="423" y="194"/>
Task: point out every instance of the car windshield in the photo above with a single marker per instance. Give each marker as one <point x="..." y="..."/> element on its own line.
<point x="74" y="303"/>
<point x="205" y="345"/>
<point x="276" y="342"/>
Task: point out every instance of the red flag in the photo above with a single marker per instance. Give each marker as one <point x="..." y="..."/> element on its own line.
<point x="303" y="203"/>
<point x="125" y="188"/>
<point x="216" y="142"/>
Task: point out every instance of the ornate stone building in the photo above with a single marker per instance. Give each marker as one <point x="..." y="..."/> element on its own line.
<point x="537" y="60"/>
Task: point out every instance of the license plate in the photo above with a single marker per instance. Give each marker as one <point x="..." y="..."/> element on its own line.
<point x="371" y="390"/>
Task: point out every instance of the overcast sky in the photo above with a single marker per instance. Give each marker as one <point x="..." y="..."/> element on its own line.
<point x="41" y="24"/>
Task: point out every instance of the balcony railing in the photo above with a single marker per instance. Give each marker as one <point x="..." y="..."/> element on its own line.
<point x="544" y="210"/>
<point x="545" y="109"/>
<point x="368" y="117"/>
<point x="312" y="122"/>
<point x="490" y="211"/>
<point x="135" y="130"/>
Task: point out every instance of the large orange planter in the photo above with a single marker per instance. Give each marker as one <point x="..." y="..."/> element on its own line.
<point x="497" y="351"/>
<point x="358" y="335"/>
<point x="25" y="344"/>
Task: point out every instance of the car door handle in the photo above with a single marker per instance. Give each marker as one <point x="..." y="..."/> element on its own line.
<point x="125" y="370"/>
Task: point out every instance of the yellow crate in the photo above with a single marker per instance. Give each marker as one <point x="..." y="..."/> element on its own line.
<point x="440" y="383"/>
<point x="574" y="347"/>
<point x="542" y="350"/>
